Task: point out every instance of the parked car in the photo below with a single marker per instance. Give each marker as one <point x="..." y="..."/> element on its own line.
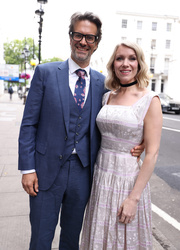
<point x="169" y="104"/>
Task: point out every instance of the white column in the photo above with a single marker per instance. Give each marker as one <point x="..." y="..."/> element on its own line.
<point x="158" y="84"/>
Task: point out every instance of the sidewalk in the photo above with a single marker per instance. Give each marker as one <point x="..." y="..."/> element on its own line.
<point x="14" y="202"/>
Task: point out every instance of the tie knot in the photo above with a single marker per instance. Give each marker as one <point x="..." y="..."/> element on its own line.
<point x="81" y="73"/>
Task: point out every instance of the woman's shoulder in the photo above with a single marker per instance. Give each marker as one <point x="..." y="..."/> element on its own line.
<point x="149" y="93"/>
<point x="105" y="98"/>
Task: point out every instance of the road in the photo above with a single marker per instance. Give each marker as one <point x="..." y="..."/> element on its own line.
<point x="165" y="184"/>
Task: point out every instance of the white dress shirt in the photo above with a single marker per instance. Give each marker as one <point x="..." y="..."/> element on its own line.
<point x="73" y="77"/>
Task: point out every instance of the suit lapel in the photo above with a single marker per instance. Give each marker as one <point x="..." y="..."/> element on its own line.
<point x="95" y="100"/>
<point x="63" y="86"/>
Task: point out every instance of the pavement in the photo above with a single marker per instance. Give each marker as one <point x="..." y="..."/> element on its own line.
<point x="14" y="202"/>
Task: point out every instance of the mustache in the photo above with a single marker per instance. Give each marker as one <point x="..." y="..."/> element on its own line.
<point x="83" y="45"/>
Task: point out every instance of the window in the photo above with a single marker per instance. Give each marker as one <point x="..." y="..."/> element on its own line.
<point x="152" y="64"/>
<point x="153" y="44"/>
<point x="139" y="25"/>
<point x="124" y="23"/>
<point x="162" y="85"/>
<point x="168" y="44"/>
<point x="154" y="26"/>
<point x="169" y="26"/>
<point x="153" y="86"/>
<point x="139" y="41"/>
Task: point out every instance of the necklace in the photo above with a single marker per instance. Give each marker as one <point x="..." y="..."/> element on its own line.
<point x="128" y="84"/>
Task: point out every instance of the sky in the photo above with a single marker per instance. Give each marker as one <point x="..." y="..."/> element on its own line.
<point x="18" y="20"/>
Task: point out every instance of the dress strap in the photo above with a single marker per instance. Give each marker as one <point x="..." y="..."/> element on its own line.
<point x="105" y="98"/>
<point x="147" y="101"/>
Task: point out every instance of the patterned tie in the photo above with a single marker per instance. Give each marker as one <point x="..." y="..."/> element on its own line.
<point x="80" y="88"/>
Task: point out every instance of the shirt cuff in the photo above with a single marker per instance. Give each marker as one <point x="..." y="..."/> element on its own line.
<point x="28" y="171"/>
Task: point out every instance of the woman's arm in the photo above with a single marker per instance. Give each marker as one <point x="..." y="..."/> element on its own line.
<point x="152" y="137"/>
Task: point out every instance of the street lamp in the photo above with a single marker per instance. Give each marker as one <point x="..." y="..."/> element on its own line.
<point x="40" y="13"/>
<point x="24" y="55"/>
<point x="42" y="1"/>
<point x="33" y="63"/>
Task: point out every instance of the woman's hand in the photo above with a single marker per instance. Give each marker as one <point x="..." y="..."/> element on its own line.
<point x="127" y="210"/>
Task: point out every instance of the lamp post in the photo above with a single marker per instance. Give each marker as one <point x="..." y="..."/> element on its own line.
<point x="24" y="55"/>
<point x="33" y="61"/>
<point x="40" y="13"/>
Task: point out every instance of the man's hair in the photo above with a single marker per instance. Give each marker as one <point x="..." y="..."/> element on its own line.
<point x="86" y="16"/>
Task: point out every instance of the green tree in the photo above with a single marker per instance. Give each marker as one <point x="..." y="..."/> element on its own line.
<point x="54" y="59"/>
<point x="13" y="50"/>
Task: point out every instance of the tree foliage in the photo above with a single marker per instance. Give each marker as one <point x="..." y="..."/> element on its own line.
<point x="54" y="59"/>
<point x="13" y="50"/>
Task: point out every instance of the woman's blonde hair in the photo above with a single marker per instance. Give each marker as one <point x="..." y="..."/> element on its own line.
<point x="142" y="77"/>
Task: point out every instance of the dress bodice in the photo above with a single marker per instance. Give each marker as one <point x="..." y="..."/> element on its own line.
<point x="121" y="126"/>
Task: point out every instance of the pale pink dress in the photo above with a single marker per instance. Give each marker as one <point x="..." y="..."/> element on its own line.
<point x="115" y="173"/>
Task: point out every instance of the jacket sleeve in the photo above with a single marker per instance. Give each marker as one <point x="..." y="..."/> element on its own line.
<point x="29" y="125"/>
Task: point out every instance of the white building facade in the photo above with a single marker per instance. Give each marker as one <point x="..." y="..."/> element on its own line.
<point x="158" y="35"/>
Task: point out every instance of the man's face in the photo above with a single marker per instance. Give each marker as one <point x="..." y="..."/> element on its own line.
<point x="81" y="51"/>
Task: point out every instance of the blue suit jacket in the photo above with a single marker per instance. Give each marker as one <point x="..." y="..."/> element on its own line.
<point x="45" y="125"/>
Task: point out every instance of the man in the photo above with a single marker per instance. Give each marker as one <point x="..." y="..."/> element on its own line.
<point x="10" y="91"/>
<point x="59" y="140"/>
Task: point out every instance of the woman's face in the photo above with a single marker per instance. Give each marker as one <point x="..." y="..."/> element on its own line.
<point x="125" y="64"/>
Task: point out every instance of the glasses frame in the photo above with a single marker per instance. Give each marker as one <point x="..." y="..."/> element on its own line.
<point x="72" y="35"/>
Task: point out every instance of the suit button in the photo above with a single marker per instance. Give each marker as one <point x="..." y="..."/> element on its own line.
<point x="79" y="117"/>
<point x="76" y="142"/>
<point x="79" y="125"/>
<point x="77" y="133"/>
<point x="65" y="138"/>
<point x="60" y="157"/>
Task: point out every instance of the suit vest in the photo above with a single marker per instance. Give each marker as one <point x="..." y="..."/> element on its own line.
<point x="79" y="130"/>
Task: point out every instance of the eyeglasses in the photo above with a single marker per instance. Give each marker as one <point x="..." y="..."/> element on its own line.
<point x="76" y="36"/>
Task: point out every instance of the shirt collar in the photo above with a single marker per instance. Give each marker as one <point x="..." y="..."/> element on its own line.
<point x="74" y="66"/>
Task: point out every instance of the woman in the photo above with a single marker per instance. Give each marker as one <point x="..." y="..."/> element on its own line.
<point x="119" y="211"/>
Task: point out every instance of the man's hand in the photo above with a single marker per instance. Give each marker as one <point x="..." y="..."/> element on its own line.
<point x="138" y="150"/>
<point x="30" y="183"/>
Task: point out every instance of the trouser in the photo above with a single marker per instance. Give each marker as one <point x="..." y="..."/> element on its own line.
<point x="70" y="193"/>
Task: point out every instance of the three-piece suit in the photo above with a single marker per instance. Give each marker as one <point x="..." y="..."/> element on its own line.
<point x="52" y="127"/>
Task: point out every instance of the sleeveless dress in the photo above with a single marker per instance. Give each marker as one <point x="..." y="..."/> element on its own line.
<point x="115" y="174"/>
